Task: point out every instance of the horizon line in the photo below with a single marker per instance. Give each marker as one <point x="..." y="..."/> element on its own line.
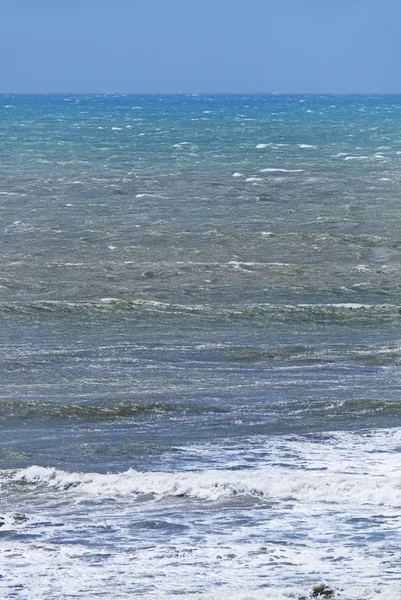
<point x="66" y="93"/>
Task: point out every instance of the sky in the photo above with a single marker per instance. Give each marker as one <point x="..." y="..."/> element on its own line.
<point x="209" y="46"/>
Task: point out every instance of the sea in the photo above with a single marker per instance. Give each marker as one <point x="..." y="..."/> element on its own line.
<point x="200" y="350"/>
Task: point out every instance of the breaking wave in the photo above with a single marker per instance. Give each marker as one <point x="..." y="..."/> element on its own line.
<point x="270" y="484"/>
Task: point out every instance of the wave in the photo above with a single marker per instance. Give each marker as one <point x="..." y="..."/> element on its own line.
<point x="329" y="408"/>
<point x="326" y="312"/>
<point x="28" y="410"/>
<point x="272" y="484"/>
<point x="380" y="353"/>
<point x="364" y="407"/>
<point x="227" y="232"/>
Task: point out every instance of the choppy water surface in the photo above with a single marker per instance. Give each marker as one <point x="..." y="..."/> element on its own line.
<point x="200" y="355"/>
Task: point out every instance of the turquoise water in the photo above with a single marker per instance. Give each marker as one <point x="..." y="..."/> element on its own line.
<point x="200" y="314"/>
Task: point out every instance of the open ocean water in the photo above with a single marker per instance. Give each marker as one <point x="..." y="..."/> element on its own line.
<point x="200" y="351"/>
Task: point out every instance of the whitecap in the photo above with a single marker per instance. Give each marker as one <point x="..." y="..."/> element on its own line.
<point x="305" y="146"/>
<point x="278" y="170"/>
<point x="261" y="146"/>
<point x="237" y="175"/>
<point x="19" y="227"/>
<point x="254" y="179"/>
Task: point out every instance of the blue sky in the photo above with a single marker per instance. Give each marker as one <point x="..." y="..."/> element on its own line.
<point x="155" y="46"/>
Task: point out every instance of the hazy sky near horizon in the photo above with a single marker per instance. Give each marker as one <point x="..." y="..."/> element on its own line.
<point x="155" y="46"/>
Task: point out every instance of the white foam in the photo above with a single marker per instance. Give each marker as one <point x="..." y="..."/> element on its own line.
<point x="253" y="179"/>
<point x="306" y="146"/>
<point x="345" y="480"/>
<point x="261" y="146"/>
<point x="237" y="175"/>
<point x="219" y="571"/>
<point x="366" y="590"/>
